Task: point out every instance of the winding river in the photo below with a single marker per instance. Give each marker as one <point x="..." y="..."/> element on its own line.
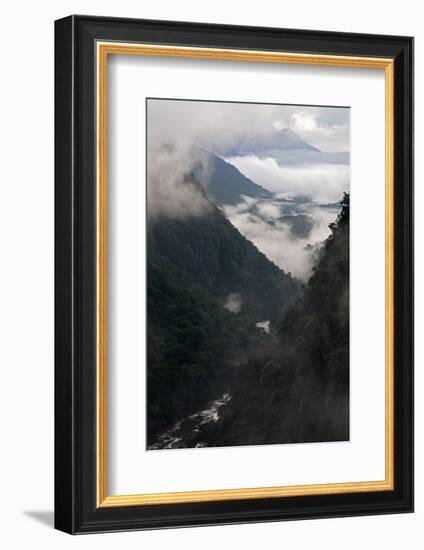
<point x="186" y="431"/>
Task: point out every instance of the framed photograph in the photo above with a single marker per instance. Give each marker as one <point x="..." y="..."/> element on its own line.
<point x="233" y="274"/>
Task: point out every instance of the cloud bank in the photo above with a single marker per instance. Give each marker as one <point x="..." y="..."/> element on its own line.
<point x="324" y="183"/>
<point x="264" y="223"/>
<point x="170" y="191"/>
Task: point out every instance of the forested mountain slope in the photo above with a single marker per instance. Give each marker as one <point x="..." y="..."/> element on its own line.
<point x="298" y="390"/>
<point x="195" y="267"/>
<point x="223" y="182"/>
<point x="210" y="253"/>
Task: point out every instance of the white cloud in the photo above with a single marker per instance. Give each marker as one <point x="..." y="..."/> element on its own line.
<point x="169" y="192"/>
<point x="222" y="124"/>
<point x="233" y="302"/>
<point x="278" y="125"/>
<point x="330" y="138"/>
<point x="304" y="121"/>
<point x="265" y="326"/>
<point x="276" y="241"/>
<point x="269" y="210"/>
<point x="324" y="183"/>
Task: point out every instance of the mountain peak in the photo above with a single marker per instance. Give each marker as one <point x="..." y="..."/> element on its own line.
<point x="289" y="139"/>
<point x="284" y="139"/>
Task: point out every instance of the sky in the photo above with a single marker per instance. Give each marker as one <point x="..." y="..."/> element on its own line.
<point x="326" y="128"/>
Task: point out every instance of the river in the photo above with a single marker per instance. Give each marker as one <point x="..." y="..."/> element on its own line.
<point x="185" y="433"/>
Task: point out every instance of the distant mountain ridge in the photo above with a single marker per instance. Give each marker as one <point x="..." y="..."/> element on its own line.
<point x="223" y="182"/>
<point x="226" y="187"/>
<point x="279" y="140"/>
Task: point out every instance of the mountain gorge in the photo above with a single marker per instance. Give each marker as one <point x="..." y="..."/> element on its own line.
<point x="297" y="390"/>
<point x="288" y="230"/>
<point x="208" y="287"/>
<point x="230" y="330"/>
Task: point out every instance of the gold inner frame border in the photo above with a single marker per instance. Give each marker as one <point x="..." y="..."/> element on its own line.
<point x="103" y="50"/>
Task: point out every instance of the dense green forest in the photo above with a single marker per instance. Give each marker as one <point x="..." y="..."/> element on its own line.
<point x="196" y="342"/>
<point x="296" y="387"/>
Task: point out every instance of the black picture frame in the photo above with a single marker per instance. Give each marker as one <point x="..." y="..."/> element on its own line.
<point x="76" y="508"/>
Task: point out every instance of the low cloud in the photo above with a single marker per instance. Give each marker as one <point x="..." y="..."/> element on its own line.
<point x="323" y="183"/>
<point x="304" y="121"/>
<point x="275" y="238"/>
<point x="233" y="302"/>
<point x="171" y="192"/>
<point x="265" y="326"/>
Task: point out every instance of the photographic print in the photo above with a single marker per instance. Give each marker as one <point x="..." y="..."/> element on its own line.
<point x="208" y="366"/>
<point x="247" y="274"/>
